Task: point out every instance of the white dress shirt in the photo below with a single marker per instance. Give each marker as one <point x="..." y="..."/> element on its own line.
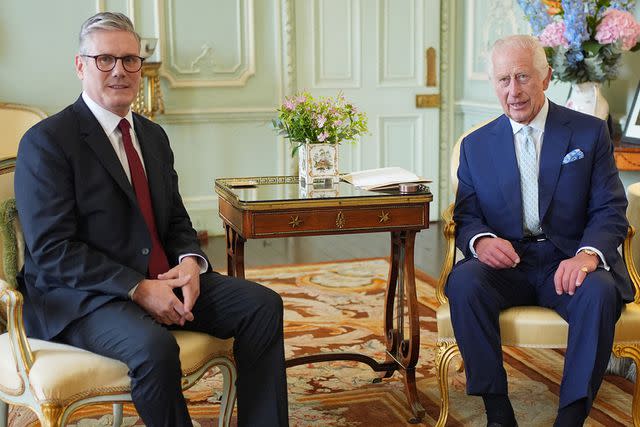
<point x="109" y="123"/>
<point x="537" y="125"/>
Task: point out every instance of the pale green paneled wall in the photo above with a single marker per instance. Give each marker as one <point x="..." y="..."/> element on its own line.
<point x="478" y="23"/>
<point x="38" y="41"/>
<point x="224" y="72"/>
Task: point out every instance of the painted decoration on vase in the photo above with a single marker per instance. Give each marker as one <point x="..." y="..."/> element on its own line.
<point x="318" y="163"/>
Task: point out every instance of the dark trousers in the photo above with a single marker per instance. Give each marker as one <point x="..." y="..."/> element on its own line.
<point x="227" y="307"/>
<point x="477" y="293"/>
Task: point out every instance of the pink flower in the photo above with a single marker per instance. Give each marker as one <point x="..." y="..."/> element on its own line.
<point x="289" y="104"/>
<point x="301" y="98"/>
<point x="323" y="136"/>
<point x="553" y="35"/>
<point x="618" y="25"/>
<point x="321" y="121"/>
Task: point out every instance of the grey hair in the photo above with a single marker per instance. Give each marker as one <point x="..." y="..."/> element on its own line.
<point x="105" y="21"/>
<point x="525" y="42"/>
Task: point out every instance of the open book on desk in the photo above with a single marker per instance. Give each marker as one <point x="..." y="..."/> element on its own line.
<point x="383" y="178"/>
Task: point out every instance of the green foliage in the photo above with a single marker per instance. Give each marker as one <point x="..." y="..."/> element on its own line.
<point x="600" y="63"/>
<point x="304" y="119"/>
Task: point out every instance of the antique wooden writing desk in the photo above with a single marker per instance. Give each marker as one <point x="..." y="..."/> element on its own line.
<point x="627" y="156"/>
<point x="260" y="207"/>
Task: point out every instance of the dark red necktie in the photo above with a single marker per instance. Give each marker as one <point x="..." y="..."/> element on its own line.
<point x="157" y="259"/>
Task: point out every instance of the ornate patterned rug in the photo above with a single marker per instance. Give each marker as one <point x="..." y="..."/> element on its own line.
<point x="338" y="306"/>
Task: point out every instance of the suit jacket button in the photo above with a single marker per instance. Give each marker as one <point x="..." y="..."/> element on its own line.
<point x="145" y="251"/>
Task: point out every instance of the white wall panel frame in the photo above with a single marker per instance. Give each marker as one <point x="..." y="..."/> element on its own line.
<point x="351" y="75"/>
<point x="413" y="123"/>
<point x="415" y="31"/>
<point x="500" y="21"/>
<point x="179" y="75"/>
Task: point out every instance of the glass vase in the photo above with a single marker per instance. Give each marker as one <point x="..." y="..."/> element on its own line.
<point x="587" y="98"/>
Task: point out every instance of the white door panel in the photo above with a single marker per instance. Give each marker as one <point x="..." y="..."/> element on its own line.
<point x="375" y="52"/>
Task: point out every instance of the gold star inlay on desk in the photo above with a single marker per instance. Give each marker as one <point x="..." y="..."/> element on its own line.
<point x="295" y="221"/>
<point x="383" y="217"/>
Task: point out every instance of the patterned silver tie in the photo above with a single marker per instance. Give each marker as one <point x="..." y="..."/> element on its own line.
<point x="528" y="164"/>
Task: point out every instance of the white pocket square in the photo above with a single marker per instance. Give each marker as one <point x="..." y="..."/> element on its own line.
<point x="572" y="156"/>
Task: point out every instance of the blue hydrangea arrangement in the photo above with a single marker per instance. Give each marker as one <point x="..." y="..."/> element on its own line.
<point x="584" y="39"/>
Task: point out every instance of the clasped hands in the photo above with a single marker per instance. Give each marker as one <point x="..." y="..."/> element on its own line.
<point x="499" y="254"/>
<point x="156" y="297"/>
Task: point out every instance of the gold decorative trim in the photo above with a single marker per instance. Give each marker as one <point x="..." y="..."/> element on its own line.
<point x="446" y="351"/>
<point x="631" y="351"/>
<point x="449" y="231"/>
<point x="340" y="220"/>
<point x="295" y="221"/>
<point x="51" y="414"/>
<point x="14" y="392"/>
<point x="7" y="165"/>
<point x="223" y="189"/>
<point x="223" y="355"/>
<point x="149" y="100"/>
<point x="627" y="254"/>
<point x="383" y="217"/>
<point x="20" y="107"/>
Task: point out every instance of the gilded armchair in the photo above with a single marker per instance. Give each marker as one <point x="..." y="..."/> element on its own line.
<point x="51" y="379"/>
<point x="527" y="326"/>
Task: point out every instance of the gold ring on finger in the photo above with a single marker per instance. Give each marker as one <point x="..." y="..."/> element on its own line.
<point x="584" y="269"/>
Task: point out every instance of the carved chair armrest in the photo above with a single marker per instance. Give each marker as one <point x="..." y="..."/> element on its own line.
<point x="449" y="231"/>
<point x="12" y="307"/>
<point x="627" y="254"/>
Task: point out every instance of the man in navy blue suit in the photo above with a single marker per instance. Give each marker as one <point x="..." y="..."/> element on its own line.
<point x="112" y="262"/>
<point x="540" y="213"/>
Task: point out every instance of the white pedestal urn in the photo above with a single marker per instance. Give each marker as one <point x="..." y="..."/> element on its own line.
<point x="318" y="164"/>
<point x="587" y="98"/>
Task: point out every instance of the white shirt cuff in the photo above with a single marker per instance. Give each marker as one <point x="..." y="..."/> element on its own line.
<point x="603" y="263"/>
<point x="133" y="290"/>
<point x="204" y="265"/>
<point x="472" y="242"/>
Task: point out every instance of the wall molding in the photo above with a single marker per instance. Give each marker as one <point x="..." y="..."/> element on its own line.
<point x="179" y="76"/>
<point x="447" y="90"/>
<point x="475" y="107"/>
<point x="353" y="76"/>
<point x="416" y="34"/>
<point x="214" y="115"/>
<point x="411" y="121"/>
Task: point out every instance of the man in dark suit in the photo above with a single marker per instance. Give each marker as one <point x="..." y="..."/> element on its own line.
<point x="112" y="261"/>
<point x="540" y="212"/>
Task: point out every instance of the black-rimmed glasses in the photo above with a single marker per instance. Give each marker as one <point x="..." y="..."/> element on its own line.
<point x="106" y="63"/>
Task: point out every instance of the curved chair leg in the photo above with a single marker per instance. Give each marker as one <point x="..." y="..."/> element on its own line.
<point x="4" y="414"/>
<point x="117" y="414"/>
<point x="632" y="351"/>
<point x="228" y="371"/>
<point x="50" y="415"/>
<point x="447" y="350"/>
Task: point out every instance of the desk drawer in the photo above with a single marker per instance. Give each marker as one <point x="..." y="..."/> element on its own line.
<point x="339" y="220"/>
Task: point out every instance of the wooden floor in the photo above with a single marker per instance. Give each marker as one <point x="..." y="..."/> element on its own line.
<point x="429" y="250"/>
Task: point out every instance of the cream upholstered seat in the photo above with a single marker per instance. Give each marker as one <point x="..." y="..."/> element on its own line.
<point x="527" y="326"/>
<point x="55" y="379"/>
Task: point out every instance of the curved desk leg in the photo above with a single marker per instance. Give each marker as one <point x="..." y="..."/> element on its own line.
<point x="235" y="252"/>
<point x="403" y="346"/>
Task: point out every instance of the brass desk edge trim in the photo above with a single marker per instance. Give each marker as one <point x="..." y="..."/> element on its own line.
<point x="223" y="191"/>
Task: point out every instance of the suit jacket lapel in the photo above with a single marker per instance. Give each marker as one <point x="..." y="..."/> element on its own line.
<point x="95" y="137"/>
<point x="554" y="147"/>
<point x="505" y="166"/>
<point x="155" y="173"/>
